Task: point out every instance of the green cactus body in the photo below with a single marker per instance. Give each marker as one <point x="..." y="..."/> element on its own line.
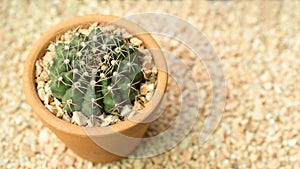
<point x="95" y="74"/>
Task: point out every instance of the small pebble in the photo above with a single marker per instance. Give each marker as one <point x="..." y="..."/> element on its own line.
<point x="79" y="118"/>
<point x="43" y="136"/>
<point x="135" y="41"/>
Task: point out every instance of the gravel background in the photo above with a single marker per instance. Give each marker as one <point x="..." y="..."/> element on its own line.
<point x="258" y="44"/>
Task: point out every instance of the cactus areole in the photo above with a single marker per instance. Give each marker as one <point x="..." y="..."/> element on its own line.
<point x="96" y="73"/>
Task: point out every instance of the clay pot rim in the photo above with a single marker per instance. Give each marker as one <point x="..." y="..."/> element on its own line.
<point x="38" y="51"/>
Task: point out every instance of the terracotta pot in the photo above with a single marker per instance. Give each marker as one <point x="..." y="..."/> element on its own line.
<point x="97" y="144"/>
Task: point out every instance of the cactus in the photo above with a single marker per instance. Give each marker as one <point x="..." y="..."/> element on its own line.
<point x="96" y="73"/>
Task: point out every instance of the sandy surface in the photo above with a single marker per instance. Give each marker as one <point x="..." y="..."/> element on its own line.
<point x="258" y="44"/>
